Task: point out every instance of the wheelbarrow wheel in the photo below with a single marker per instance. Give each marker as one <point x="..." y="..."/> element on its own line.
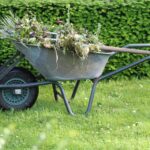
<point x="18" y="98"/>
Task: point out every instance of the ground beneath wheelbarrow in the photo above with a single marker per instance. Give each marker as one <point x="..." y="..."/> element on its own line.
<point x="116" y="119"/>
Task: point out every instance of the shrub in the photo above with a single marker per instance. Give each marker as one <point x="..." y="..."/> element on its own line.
<point x="122" y="23"/>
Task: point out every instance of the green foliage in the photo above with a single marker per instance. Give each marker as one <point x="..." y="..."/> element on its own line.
<point x="121" y="23"/>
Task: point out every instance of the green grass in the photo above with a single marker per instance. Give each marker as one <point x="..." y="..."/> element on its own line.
<point x="120" y="119"/>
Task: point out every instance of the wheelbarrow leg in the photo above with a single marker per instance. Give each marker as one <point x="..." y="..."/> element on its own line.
<point x="75" y="89"/>
<point x="69" y="110"/>
<point x="91" y="97"/>
<point x="55" y="92"/>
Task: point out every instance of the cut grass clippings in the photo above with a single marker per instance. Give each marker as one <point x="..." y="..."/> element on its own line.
<point x="120" y="119"/>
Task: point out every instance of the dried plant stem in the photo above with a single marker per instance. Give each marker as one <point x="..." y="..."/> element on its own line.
<point x="68" y="14"/>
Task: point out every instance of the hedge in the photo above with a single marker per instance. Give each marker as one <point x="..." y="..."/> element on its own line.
<point x="122" y="23"/>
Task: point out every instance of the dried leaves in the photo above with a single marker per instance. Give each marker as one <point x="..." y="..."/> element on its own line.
<point x="30" y="31"/>
<point x="80" y="43"/>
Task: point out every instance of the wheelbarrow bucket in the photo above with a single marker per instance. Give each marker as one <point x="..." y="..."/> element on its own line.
<point x="67" y="66"/>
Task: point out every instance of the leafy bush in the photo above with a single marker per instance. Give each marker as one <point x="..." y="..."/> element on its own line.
<point x="122" y="23"/>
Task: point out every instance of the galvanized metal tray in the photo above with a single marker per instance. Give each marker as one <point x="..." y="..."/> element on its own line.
<point x="58" y="66"/>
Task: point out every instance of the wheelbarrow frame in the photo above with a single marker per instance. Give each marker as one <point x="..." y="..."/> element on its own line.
<point x="16" y="58"/>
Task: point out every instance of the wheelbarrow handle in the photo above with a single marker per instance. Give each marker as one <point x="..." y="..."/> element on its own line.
<point x="127" y="50"/>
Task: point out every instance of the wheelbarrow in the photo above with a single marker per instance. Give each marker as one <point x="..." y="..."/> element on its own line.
<point x="19" y="88"/>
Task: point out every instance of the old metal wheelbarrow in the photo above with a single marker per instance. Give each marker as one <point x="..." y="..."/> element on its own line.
<point x="19" y="88"/>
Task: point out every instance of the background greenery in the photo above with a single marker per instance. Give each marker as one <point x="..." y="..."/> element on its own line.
<point x="122" y="23"/>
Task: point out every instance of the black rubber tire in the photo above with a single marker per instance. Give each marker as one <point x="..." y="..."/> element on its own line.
<point x="26" y="77"/>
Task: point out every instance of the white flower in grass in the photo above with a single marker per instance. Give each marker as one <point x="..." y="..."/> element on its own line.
<point x="42" y="136"/>
<point x="128" y="127"/>
<point x="2" y="143"/>
<point x="7" y="131"/>
<point x="86" y="98"/>
<point x="141" y="86"/>
<point x="134" y="111"/>
<point x="134" y="125"/>
<point x="48" y="126"/>
<point x="35" y="147"/>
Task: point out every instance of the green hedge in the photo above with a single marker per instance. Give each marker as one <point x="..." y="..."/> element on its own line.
<point x="122" y="23"/>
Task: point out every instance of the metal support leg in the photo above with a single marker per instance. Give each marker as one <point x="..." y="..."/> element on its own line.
<point x="109" y="75"/>
<point x="91" y="96"/>
<point x="64" y="98"/>
<point x="75" y="89"/>
<point x="55" y="92"/>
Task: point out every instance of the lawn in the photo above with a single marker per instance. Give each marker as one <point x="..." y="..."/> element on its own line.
<point x="120" y="119"/>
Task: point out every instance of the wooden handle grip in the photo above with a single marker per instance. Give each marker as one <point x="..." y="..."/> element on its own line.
<point x="127" y="50"/>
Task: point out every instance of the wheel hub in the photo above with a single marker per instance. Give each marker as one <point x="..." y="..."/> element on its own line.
<point x="17" y="91"/>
